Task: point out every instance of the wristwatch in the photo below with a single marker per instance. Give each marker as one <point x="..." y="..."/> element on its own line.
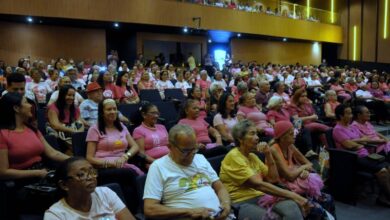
<point x="128" y="153"/>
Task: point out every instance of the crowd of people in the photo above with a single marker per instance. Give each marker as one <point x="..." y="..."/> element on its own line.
<point x="269" y="120"/>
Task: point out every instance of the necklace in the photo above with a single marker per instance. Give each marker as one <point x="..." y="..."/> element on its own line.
<point x="151" y="128"/>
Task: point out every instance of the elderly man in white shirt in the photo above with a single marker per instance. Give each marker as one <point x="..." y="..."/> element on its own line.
<point x="183" y="184"/>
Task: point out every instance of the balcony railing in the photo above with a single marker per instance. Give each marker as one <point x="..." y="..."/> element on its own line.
<point x="273" y="8"/>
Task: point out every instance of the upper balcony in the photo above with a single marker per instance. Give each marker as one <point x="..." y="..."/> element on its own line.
<point x="293" y="24"/>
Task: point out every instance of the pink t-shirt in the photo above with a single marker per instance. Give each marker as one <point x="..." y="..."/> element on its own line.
<point x="126" y="95"/>
<point x="200" y="127"/>
<point x="255" y="115"/>
<point x="111" y="144"/>
<point x="341" y="134"/>
<point x="67" y="113"/>
<point x="283" y="115"/>
<point x="368" y="130"/>
<point x="24" y="148"/>
<point x="155" y="140"/>
<point x="110" y="91"/>
<point x="228" y="123"/>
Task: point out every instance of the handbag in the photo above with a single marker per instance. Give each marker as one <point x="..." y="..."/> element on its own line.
<point x="64" y="136"/>
<point x="45" y="186"/>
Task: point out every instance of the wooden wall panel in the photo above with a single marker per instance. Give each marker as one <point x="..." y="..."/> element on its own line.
<point x="355" y="20"/>
<point x="142" y="37"/>
<point x="383" y="44"/>
<point x="48" y="42"/>
<point x="276" y="52"/>
<point x="178" y="14"/>
<point x="343" y="49"/>
<point x="369" y="31"/>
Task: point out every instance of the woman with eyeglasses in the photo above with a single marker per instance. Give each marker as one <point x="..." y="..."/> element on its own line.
<point x="77" y="179"/>
<point x="152" y="138"/>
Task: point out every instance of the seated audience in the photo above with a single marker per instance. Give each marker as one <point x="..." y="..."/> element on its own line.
<point x="248" y="179"/>
<point x="377" y="105"/>
<point x="64" y="117"/>
<point x="77" y="179"/>
<point x="89" y="107"/>
<point x="109" y="139"/>
<point x="280" y="89"/>
<point x="263" y="94"/>
<point x="190" y="117"/>
<point x="125" y="89"/>
<point x="296" y="172"/>
<point x="378" y="93"/>
<point x="183" y="184"/>
<point x="196" y="94"/>
<point x="215" y="94"/>
<point x="64" y="81"/>
<point x="152" y="138"/>
<point x="226" y="118"/>
<point x="106" y="81"/>
<point x="348" y="137"/>
<point x="204" y="83"/>
<point x="21" y="149"/>
<point x="39" y="88"/>
<point x="362" y="123"/>
<point x="53" y="79"/>
<point x="218" y="79"/>
<point x="249" y="110"/>
<point x="181" y="83"/>
<point x="340" y="91"/>
<point x="145" y="82"/>
<point x="331" y="104"/>
<point x="164" y="83"/>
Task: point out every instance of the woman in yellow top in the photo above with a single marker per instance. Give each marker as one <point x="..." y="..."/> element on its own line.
<point x="247" y="179"/>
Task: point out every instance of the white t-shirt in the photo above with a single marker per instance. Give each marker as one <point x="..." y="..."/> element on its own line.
<point x="105" y="205"/>
<point x="178" y="186"/>
<point x="218" y="120"/>
<point x="54" y="96"/>
<point x="183" y="86"/>
<point x="221" y="82"/>
<point x="40" y="90"/>
<point x="363" y="94"/>
<point x="315" y="82"/>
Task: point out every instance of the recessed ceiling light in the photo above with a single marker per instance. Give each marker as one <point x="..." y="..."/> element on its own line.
<point x="238" y="35"/>
<point x="30" y="19"/>
<point x="116" y="24"/>
<point x="284" y="39"/>
<point x="185" y="29"/>
<point x="210" y="41"/>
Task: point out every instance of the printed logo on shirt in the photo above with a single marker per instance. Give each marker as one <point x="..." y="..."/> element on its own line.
<point x="108" y="94"/>
<point x="197" y="181"/>
<point x="118" y="144"/>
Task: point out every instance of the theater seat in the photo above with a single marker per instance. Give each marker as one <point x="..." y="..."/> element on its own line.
<point x="79" y="144"/>
<point x="151" y="95"/>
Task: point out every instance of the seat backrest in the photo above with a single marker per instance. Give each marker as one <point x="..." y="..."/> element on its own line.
<point x="216" y="162"/>
<point x="128" y="110"/>
<point x="79" y="144"/>
<point x="151" y="95"/>
<point x="117" y="189"/>
<point x="174" y="94"/>
<point x="140" y="192"/>
<point x="329" y="139"/>
<point x="52" y="141"/>
<point x="168" y="111"/>
<point x="41" y="118"/>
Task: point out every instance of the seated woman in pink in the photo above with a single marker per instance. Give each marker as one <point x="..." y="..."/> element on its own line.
<point x="295" y="171"/>
<point x="106" y="81"/>
<point x="331" y="104"/>
<point x="203" y="83"/>
<point x="125" y="90"/>
<point x="341" y="92"/>
<point x="378" y="93"/>
<point x="249" y="110"/>
<point x="109" y="139"/>
<point x="225" y="119"/>
<point x="64" y="117"/>
<point x="196" y="94"/>
<point x="349" y="138"/>
<point x="190" y="117"/>
<point x="152" y="138"/>
<point x="298" y="82"/>
<point x="280" y="88"/>
<point x="145" y="82"/>
<point x="302" y="108"/>
<point x="21" y="149"/>
<point x="276" y="112"/>
<point x="362" y="123"/>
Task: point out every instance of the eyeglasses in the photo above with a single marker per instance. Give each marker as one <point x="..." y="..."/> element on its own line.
<point x="188" y="151"/>
<point x="82" y="176"/>
<point x="157" y="114"/>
